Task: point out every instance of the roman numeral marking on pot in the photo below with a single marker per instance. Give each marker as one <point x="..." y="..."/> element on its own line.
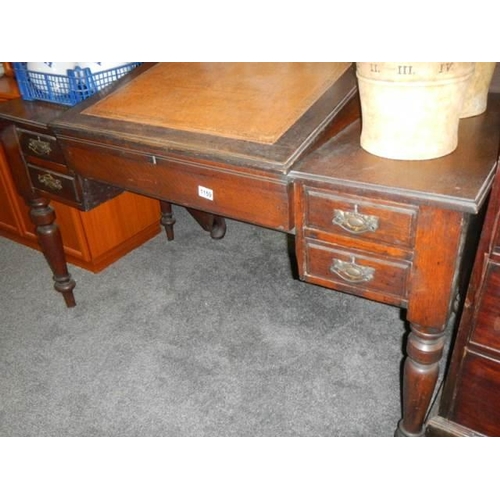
<point x="405" y="70"/>
<point x="445" y="67"/>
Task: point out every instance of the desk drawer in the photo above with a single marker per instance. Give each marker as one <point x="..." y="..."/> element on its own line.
<point x="55" y="184"/>
<point x="356" y="272"/>
<point x="40" y="146"/>
<point x="476" y="402"/>
<point x="359" y="217"/>
<point x="262" y="199"/>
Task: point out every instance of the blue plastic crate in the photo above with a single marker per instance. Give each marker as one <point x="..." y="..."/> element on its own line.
<point x="70" y="89"/>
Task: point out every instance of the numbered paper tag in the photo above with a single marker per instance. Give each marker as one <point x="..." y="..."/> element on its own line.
<point x="206" y="193"/>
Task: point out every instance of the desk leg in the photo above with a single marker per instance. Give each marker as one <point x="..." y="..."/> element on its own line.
<point x="439" y="242"/>
<point x="49" y="237"/>
<point x="421" y="369"/>
<point x="167" y="218"/>
<point x="214" y="224"/>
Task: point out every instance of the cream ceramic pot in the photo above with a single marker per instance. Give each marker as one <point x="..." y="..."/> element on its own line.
<point x="411" y="110"/>
<point x="476" y="96"/>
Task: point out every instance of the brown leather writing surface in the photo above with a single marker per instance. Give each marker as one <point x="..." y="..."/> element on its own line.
<point x="257" y="102"/>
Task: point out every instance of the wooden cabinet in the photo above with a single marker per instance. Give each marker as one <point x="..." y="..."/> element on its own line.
<point x="14" y="220"/>
<point x="11" y="217"/>
<point x="470" y="402"/>
<point x="129" y="219"/>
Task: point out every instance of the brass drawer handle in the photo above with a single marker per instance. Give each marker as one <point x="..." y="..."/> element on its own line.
<point x="39" y="147"/>
<point x="50" y="182"/>
<point x="352" y="272"/>
<point x="354" y="222"/>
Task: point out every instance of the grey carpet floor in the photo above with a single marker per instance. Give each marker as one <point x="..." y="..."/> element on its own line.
<point x="194" y="337"/>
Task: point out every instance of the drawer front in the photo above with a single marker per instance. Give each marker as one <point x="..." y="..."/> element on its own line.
<point x="356" y="272"/>
<point x="476" y="402"/>
<point x="487" y="327"/>
<point x="359" y="218"/>
<point x="55" y="184"/>
<point x="40" y="146"/>
<point x="262" y="200"/>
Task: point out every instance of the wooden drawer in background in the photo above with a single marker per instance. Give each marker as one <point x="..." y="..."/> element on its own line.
<point x="40" y="146"/>
<point x="49" y="174"/>
<point x="63" y="187"/>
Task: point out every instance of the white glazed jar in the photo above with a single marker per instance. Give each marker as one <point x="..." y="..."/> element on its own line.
<point x="96" y="67"/>
<point x="54" y="78"/>
<point x="102" y="70"/>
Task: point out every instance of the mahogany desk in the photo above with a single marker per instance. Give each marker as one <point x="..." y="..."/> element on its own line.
<point x="391" y="231"/>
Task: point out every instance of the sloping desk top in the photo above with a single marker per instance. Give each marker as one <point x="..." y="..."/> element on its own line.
<point x="255" y="114"/>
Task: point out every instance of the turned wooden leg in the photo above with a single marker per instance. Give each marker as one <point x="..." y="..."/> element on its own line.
<point x="421" y="369"/>
<point x="49" y="237"/>
<point x="218" y="230"/>
<point x="214" y="224"/>
<point x="167" y="219"/>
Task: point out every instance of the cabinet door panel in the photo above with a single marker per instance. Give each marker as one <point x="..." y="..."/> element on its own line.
<point x="72" y="231"/>
<point x="9" y="218"/>
<point x="123" y="217"/>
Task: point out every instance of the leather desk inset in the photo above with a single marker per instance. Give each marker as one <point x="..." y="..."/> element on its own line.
<point x="220" y="99"/>
<point x="391" y="231"/>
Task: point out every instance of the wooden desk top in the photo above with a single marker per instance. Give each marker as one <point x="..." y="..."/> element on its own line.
<point x="252" y="114"/>
<point x="459" y="181"/>
<point x="30" y="113"/>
